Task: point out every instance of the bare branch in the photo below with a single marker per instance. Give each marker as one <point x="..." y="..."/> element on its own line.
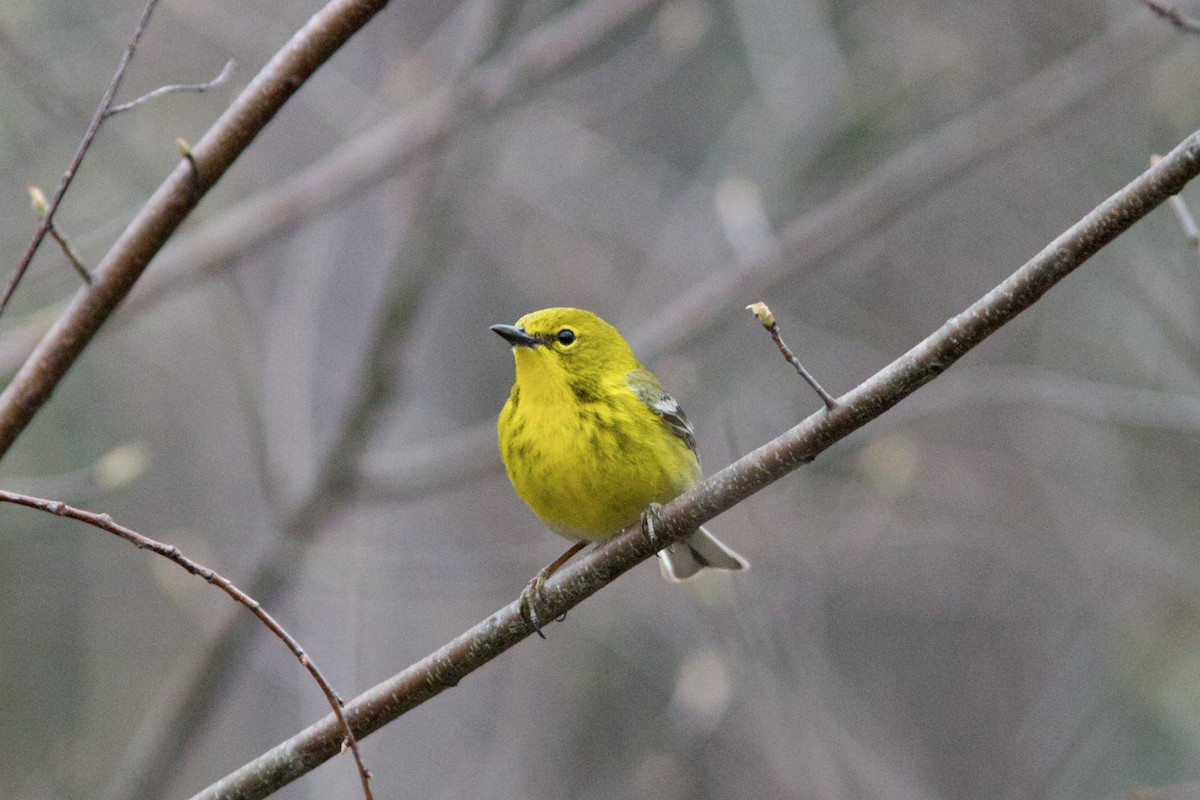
<point x="768" y="321"/>
<point x="736" y="482"/>
<point x="145" y="235"/>
<point x="172" y="553"/>
<point x="88" y="136"/>
<point x="174" y="87"/>
<point x="70" y="253"/>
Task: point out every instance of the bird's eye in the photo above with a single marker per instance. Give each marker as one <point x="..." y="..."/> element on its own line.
<point x="566" y="336"/>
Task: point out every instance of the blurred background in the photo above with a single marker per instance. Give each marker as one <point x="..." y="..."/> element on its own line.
<point x="993" y="591"/>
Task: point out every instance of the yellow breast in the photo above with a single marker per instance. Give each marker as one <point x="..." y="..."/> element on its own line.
<point x="588" y="462"/>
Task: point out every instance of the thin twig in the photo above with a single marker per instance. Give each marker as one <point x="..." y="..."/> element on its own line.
<point x="172" y="553"/>
<point x="69" y="252"/>
<point x="767" y="319"/>
<point x="37" y="199"/>
<point x="728" y="487"/>
<point x="1178" y="19"/>
<point x="1186" y="220"/>
<point x="174" y="87"/>
<point x="93" y="127"/>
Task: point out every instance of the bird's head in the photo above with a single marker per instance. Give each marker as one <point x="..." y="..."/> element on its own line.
<point x="567" y="342"/>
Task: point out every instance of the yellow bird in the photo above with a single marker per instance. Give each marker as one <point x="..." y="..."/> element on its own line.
<point x="590" y="439"/>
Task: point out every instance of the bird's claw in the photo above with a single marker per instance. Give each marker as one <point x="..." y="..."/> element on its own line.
<point x="532" y="598"/>
<point x="649" y="518"/>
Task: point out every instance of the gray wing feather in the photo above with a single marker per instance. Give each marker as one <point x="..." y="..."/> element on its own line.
<point x="650" y="392"/>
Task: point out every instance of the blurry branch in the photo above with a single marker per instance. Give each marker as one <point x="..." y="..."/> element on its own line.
<point x="398" y="475"/>
<point x="1176" y="791"/>
<point x="902" y="182"/>
<point x="736" y="482"/>
<point x="89" y="135"/>
<point x="1175" y="17"/>
<point x="1171" y="302"/>
<point x="149" y="767"/>
<point x="175" y="198"/>
<point x="1077" y="397"/>
<point x="105" y="523"/>
<point x="1186" y="221"/>
<point x="35" y="67"/>
<point x="533" y="62"/>
<point x="113" y="470"/>
<point x="222" y="76"/>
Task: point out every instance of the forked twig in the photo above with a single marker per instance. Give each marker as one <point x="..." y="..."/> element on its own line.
<point x="88" y="136"/>
<point x="105" y="110"/>
<point x="169" y="551"/>
<point x="38" y="200"/>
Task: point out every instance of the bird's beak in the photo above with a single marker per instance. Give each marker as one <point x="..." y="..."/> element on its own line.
<point x="515" y="336"/>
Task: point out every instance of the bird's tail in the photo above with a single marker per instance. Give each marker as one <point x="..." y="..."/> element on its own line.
<point x="685" y="558"/>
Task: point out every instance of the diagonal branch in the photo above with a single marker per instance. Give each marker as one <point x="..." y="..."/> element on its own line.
<point x="183" y="189"/>
<point x="738" y="481"/>
<point x="1175" y="17"/>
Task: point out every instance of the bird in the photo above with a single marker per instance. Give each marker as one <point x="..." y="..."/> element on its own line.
<point x="591" y="441"/>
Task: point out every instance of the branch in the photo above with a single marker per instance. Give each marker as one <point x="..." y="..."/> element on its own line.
<point x="88" y="137"/>
<point x="172" y="553"/>
<point x="738" y="481"/>
<point x="183" y="189"/>
<point x="767" y="319"/>
<point x="38" y="200"/>
<point x="222" y="76"/>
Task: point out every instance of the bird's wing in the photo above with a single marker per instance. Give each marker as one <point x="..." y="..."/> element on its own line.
<point x="650" y="392"/>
